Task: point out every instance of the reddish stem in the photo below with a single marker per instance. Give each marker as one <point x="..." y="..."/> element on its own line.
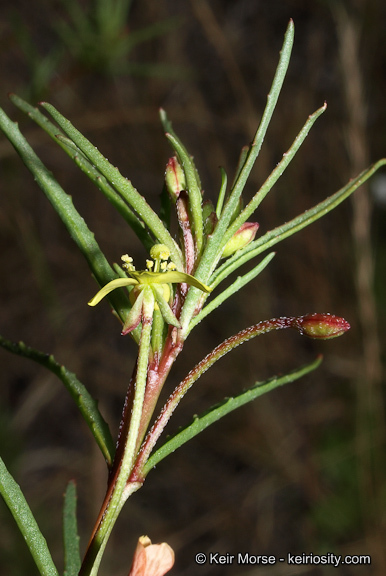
<point x="312" y="325"/>
<point x="194" y="374"/>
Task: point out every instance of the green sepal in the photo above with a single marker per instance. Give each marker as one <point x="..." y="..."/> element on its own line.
<point x="164" y="307"/>
<point x="135" y="315"/>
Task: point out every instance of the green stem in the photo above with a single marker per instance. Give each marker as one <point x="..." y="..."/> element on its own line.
<point x="119" y="495"/>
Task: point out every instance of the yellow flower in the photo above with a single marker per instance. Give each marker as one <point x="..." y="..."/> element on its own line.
<point x="157" y="278"/>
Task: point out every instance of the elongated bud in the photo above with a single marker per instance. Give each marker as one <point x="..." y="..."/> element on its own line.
<point x="174" y="178"/>
<point x="244" y="236"/>
<point x="323" y="326"/>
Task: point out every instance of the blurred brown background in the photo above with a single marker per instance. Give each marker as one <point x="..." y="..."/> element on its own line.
<point x="300" y="470"/>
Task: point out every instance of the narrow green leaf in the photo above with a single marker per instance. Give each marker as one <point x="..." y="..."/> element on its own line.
<point x="81" y="161"/>
<point x="83" y="399"/>
<point x="295" y="225"/>
<point x="65" y="208"/>
<point x="274" y="176"/>
<point x="222" y="193"/>
<point x="72" y="560"/>
<point x="254" y="149"/>
<point x="17" y="504"/>
<point x="240" y="164"/>
<point x="200" y="423"/>
<point x="212" y="250"/>
<point x="120" y="183"/>
<point x="239" y="283"/>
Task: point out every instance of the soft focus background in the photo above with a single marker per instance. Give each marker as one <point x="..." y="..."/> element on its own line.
<point x="300" y="470"/>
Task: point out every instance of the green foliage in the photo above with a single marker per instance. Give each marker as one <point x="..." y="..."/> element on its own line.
<point x="26" y="522"/>
<point x="99" y="37"/>
<point x="70" y="532"/>
<point x="197" y="267"/>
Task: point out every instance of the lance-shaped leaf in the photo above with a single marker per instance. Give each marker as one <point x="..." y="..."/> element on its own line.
<point x="65" y="208"/>
<point x="200" y="423"/>
<point x="17" y="504"/>
<point x="239" y="283"/>
<point x="120" y="183"/>
<point x="87" y="405"/>
<point x="274" y="176"/>
<point x="212" y="250"/>
<point x="70" y="532"/>
<point x="82" y="162"/>
<point x="285" y="230"/>
<point x="311" y="325"/>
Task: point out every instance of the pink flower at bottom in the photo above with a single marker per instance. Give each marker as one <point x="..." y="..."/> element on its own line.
<point x="151" y="559"/>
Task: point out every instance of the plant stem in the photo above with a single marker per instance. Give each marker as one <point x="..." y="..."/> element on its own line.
<point x="180" y="391"/>
<point x="116" y="490"/>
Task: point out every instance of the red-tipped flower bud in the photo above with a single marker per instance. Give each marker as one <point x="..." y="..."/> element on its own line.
<point x="174" y="178"/>
<point x="321" y="326"/>
<point x="244" y="236"/>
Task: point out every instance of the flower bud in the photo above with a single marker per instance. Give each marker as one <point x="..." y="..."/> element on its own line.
<point x="323" y="326"/>
<point x="244" y="236"/>
<point x="174" y="178"/>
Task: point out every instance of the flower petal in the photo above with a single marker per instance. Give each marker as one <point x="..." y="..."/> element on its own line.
<point x="151" y="559"/>
<point x="172" y="277"/>
<point x="118" y="283"/>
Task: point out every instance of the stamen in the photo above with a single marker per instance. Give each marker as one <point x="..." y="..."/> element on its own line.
<point x="127" y="262"/>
